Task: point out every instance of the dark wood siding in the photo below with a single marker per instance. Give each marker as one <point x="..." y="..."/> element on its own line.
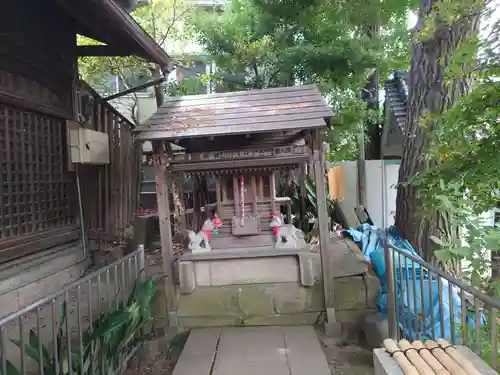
<point x="38" y="56"/>
<point x="38" y="194"/>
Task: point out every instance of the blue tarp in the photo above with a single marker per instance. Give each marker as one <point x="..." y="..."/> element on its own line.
<point x="417" y="299"/>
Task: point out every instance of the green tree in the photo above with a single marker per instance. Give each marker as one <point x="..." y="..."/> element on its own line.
<point x="267" y="43"/>
<point x="445" y="181"/>
<point x="162" y="20"/>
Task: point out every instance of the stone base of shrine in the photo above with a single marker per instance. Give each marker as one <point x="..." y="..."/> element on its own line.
<point x="270" y="287"/>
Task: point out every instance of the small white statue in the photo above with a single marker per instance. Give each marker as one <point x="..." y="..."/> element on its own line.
<point x="203" y="236"/>
<point x="287" y="236"/>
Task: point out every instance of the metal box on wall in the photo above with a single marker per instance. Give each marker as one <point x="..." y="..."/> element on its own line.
<point x="89" y="146"/>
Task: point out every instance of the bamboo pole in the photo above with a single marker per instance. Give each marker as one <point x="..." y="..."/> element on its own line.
<point x="412" y="354"/>
<point x="444" y="358"/>
<point x="436" y="366"/>
<point x="399" y="357"/>
<point x="464" y="363"/>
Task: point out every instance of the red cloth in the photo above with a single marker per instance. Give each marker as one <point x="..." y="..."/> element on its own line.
<point x="216" y="222"/>
<point x="275" y="230"/>
<point x="208" y="232"/>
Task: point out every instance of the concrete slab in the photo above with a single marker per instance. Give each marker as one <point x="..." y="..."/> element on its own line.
<point x="305" y="355"/>
<point x="253" y="351"/>
<point x="200" y="349"/>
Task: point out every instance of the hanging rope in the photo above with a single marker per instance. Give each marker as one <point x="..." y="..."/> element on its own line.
<point x="242" y="200"/>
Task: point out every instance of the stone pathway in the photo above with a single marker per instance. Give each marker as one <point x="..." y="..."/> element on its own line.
<point x="252" y="351"/>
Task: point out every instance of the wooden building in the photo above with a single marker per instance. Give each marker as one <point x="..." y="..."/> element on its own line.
<point x="45" y="202"/>
<point x="243" y="139"/>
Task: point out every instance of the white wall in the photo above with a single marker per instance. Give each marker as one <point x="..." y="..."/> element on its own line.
<point x="377" y="203"/>
<point x="146" y="106"/>
<point x="381" y="197"/>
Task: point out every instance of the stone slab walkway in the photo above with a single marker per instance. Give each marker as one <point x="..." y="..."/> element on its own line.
<point x="252" y="351"/>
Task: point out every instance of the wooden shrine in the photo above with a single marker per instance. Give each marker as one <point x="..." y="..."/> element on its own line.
<point x="243" y="139"/>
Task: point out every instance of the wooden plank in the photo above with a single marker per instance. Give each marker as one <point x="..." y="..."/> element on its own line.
<point x="116" y="176"/>
<point x="272" y="189"/>
<point x="218" y="194"/>
<point x="231" y="164"/>
<point x="100" y="180"/>
<point x="121" y="183"/>
<point x="236" y="196"/>
<point x="162" y="197"/>
<point x="239" y="94"/>
<point x="305" y="355"/>
<point x="197" y="117"/>
<point x="182" y="132"/>
<point x="236" y="114"/>
<point x="324" y="230"/>
<point x="261" y="187"/>
<point x="199" y="352"/>
<point x="250" y="153"/>
<point x="28" y="248"/>
<point x="303" y="218"/>
<point x="17" y="100"/>
<point x="254" y="195"/>
<point x="37" y="236"/>
<point x="229" y="110"/>
<point x="224" y="188"/>
<point x="110" y="108"/>
<point x="19" y="171"/>
<point x="107" y="184"/>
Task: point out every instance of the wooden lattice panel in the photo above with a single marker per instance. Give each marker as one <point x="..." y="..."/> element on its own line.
<point x="35" y="187"/>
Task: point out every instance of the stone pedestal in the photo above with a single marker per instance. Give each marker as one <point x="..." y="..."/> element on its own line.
<point x="254" y="287"/>
<point x="273" y="287"/>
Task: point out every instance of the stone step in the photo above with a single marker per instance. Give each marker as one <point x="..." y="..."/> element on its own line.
<point x="252" y="351"/>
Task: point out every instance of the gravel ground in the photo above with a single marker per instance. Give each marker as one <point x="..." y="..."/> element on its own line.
<point x="157" y="366"/>
<point x="346" y="359"/>
<point x="349" y="360"/>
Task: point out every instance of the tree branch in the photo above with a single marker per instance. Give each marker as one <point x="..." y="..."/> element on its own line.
<point x="175" y="18"/>
<point x="273" y="77"/>
<point x="258" y="82"/>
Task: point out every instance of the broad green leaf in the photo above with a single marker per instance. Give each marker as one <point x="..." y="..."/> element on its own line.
<point x="10" y="368"/>
<point x="443" y="255"/>
<point x="34" y="342"/>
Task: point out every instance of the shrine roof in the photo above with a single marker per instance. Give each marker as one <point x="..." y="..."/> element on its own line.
<point x="241" y="112"/>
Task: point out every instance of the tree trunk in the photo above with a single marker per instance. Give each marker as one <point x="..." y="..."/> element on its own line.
<point x="373" y="128"/>
<point x="158" y="89"/>
<point x="429" y="95"/>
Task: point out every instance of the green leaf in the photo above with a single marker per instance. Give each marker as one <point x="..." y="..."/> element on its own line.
<point x="462" y="251"/>
<point x="30" y="351"/>
<point x="443" y="255"/>
<point x="10" y="369"/>
<point x="476" y="279"/>
<point x="35" y="343"/>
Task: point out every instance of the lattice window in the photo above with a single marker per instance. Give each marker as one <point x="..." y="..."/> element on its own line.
<point x="35" y="188"/>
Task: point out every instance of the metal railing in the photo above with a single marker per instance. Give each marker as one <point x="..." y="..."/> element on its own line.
<point x="49" y="336"/>
<point x="426" y="303"/>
